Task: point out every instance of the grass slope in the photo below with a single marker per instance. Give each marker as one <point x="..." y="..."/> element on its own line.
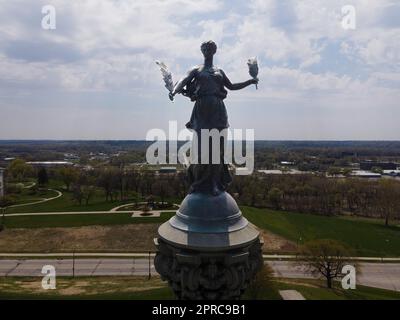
<point x="140" y="288"/>
<point x="366" y="238"/>
<point x="71" y="220"/>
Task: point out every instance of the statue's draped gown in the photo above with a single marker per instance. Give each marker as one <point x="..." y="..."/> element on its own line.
<point x="209" y="112"/>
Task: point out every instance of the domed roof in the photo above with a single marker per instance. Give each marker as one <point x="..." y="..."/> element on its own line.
<point x="205" y="213"/>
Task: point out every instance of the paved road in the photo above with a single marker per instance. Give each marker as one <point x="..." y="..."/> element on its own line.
<point x="83" y="267"/>
<point x="380" y="275"/>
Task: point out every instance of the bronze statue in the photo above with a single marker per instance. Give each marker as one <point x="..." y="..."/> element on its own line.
<point x="208" y="250"/>
<point x="205" y="84"/>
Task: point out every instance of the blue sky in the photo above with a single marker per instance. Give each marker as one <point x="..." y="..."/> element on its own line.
<point x="94" y="76"/>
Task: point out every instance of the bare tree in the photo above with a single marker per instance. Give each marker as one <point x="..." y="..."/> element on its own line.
<point x="69" y="175"/>
<point x="324" y="257"/>
<point x="388" y="199"/>
<point x="261" y="283"/>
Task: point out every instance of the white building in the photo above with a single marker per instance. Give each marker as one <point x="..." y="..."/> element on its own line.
<point x="49" y="163"/>
<point x="365" y="174"/>
<point x="392" y="173"/>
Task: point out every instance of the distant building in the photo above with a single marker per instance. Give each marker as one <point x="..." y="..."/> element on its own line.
<point x="291" y="171"/>
<point x="336" y="176"/>
<point x="271" y="171"/>
<point x="365" y="174"/>
<point x="164" y="170"/>
<point x="1" y="183"/>
<point x="49" y="163"/>
<point x="100" y="156"/>
<point x="369" y="164"/>
<point x="393" y="173"/>
<point x="287" y="163"/>
<point x="71" y="157"/>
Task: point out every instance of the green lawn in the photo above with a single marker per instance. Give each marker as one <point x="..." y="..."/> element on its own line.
<point x="26" y="196"/>
<point x="67" y="204"/>
<point x="140" y="288"/>
<point x="73" y="220"/>
<point x="109" y="288"/>
<point x="315" y="290"/>
<point x="366" y="238"/>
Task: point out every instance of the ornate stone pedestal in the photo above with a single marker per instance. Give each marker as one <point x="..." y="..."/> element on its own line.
<point x="208" y="250"/>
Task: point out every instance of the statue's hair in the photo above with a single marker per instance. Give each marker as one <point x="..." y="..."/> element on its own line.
<point x="211" y="44"/>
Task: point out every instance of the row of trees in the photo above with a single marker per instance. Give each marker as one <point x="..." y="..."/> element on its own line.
<point x="119" y="183"/>
<point x="301" y="193"/>
<point x="320" y="195"/>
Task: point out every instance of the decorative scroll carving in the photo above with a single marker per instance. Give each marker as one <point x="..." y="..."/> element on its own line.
<point x="198" y="275"/>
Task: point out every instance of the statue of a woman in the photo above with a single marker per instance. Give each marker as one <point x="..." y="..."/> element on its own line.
<point x="206" y="85"/>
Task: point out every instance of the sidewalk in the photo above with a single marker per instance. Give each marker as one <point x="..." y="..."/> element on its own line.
<point x="146" y="254"/>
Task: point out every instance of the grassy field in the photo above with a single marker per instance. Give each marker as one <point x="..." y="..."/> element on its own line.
<point x="71" y="220"/>
<point x="110" y="288"/>
<point x="140" y="288"/>
<point x="315" y="290"/>
<point x="27" y="196"/>
<point x="366" y="238"/>
<point x="66" y="204"/>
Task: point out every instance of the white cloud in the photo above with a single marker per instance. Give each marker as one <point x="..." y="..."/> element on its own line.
<point x="110" y="46"/>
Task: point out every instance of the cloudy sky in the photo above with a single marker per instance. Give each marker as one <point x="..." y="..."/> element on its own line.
<point x="94" y="76"/>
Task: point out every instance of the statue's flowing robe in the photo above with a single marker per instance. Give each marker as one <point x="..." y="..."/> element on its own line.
<point x="209" y="112"/>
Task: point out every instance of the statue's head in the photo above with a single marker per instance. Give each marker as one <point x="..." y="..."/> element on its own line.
<point x="208" y="48"/>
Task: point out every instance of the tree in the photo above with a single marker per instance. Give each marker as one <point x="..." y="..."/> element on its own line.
<point x="275" y="197"/>
<point x="332" y="171"/>
<point x="388" y="199"/>
<point x="5" y="202"/>
<point x="42" y="177"/>
<point x="324" y="257"/>
<point x="77" y="194"/>
<point x="108" y="180"/>
<point x="19" y="169"/>
<point x="68" y="175"/>
<point x="261" y="283"/>
<point x="162" y="188"/>
<point x="377" y="170"/>
<point x="87" y="193"/>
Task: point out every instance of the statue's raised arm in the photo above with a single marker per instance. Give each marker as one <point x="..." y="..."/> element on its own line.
<point x="237" y="86"/>
<point x="182" y="83"/>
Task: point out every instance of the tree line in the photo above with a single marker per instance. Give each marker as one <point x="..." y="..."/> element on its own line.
<point x="320" y="195"/>
<point x="307" y="193"/>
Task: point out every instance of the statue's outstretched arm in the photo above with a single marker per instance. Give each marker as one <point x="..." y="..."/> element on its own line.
<point x="237" y="86"/>
<point x="183" y="82"/>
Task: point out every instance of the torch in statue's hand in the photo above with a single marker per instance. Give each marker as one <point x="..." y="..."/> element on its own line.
<point x="253" y="68"/>
<point x="167" y="77"/>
